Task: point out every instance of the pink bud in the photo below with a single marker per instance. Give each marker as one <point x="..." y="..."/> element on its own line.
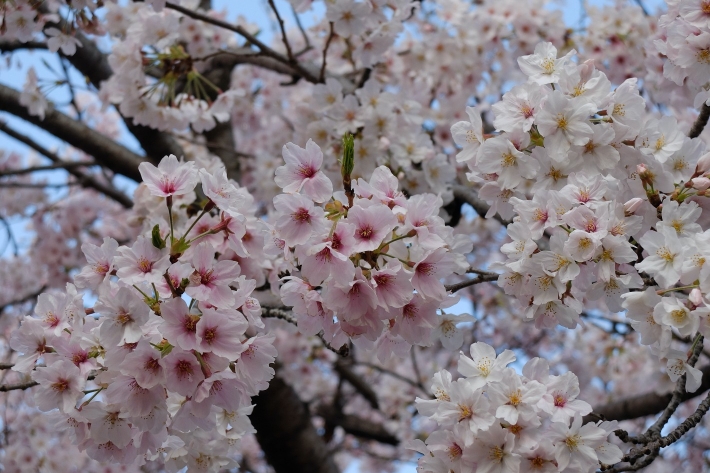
<point x="641" y="168"/>
<point x="632" y="205"/>
<point x="696" y="297"/>
<point x="700" y="183"/>
<point x="703" y="165"/>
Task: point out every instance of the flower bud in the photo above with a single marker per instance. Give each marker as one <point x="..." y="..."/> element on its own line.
<point x="632" y="205"/>
<point x="700" y="183"/>
<point x="696" y="297"/>
<point x="348" y="162"/>
<point x="703" y="165"/>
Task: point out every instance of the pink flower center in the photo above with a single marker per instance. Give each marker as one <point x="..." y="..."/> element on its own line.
<point x="183" y="369"/>
<point x="409" y="311"/>
<point x="60" y="385"/>
<point x="336" y="243"/>
<point x="167" y="185"/>
<point x="101" y="268"/>
<point x="425" y="268"/>
<point x="383" y="280"/>
<point x="207" y="277"/>
<point x="152" y="365"/>
<point x="306" y="171"/>
<point x="302" y="215"/>
<point x="190" y="323"/>
<point x="324" y="255"/>
<point x="210" y="335"/>
<point x="366" y="232"/>
<point x="560" y="400"/>
<point x="144" y="265"/>
<point x="79" y="358"/>
<point x="216" y="387"/>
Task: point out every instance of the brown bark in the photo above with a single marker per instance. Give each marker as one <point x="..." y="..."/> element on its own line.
<point x="286" y="434"/>
<point x="105" y="151"/>
<point x="644" y="404"/>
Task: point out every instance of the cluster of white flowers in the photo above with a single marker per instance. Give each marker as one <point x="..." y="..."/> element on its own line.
<point x="686" y="45"/>
<point x="593" y="190"/>
<point x="165" y="362"/>
<point x="495" y="420"/>
<point x="160" y="101"/>
<point x="355" y="262"/>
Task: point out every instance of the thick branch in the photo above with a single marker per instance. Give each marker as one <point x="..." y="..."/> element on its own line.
<point x="466" y="194"/>
<point x="286" y="434"/>
<point x="356" y="381"/>
<point x="700" y="122"/>
<point x="15" y="387"/>
<point x="93" y="64"/>
<point x="645" y="404"/>
<point x="85" y="179"/>
<point x="357" y="426"/>
<point x="106" y="151"/>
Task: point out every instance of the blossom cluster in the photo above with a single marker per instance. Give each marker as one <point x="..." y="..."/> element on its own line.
<point x="685" y="44"/>
<point x="365" y="264"/>
<point x="592" y="190"/>
<point x="164" y="363"/>
<point x="493" y="419"/>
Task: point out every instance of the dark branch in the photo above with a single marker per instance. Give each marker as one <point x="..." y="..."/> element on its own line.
<point x="483" y="276"/>
<point x="297" y="69"/>
<point x="700" y="122"/>
<point x="50" y="167"/>
<point x="356" y="381"/>
<point x="93" y="64"/>
<point x="284" y="37"/>
<point x="357" y="426"/>
<point x="286" y="434"/>
<point x="466" y="194"/>
<point x="85" y="179"/>
<point x="645" y="404"/>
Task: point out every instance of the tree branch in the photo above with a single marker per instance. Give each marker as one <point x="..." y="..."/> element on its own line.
<point x="284" y="37"/>
<point x="360" y="385"/>
<point x="286" y="434"/>
<point x="93" y="64"/>
<point x="50" y="167"/>
<point x="325" y="52"/>
<point x="700" y="122"/>
<point x="85" y="179"/>
<point x="357" y="426"/>
<point x="645" y="404"/>
<point x="14" y="387"/>
<point x="297" y="69"/>
<point x="483" y="276"/>
<point x="466" y="194"/>
<point x="106" y="151"/>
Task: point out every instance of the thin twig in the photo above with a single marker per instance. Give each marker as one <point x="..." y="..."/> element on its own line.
<point x="282" y="313"/>
<point x="86" y="179"/>
<point x="266" y="50"/>
<point x="643" y="7"/>
<point x="284" y="38"/>
<point x="50" y="167"/>
<point x="71" y="89"/>
<point x="480" y="279"/>
<point x="394" y="375"/>
<point x="10" y="237"/>
<point x="307" y="40"/>
<point x="325" y="52"/>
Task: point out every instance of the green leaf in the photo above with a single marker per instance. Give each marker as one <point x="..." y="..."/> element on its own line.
<point x="158" y="241"/>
